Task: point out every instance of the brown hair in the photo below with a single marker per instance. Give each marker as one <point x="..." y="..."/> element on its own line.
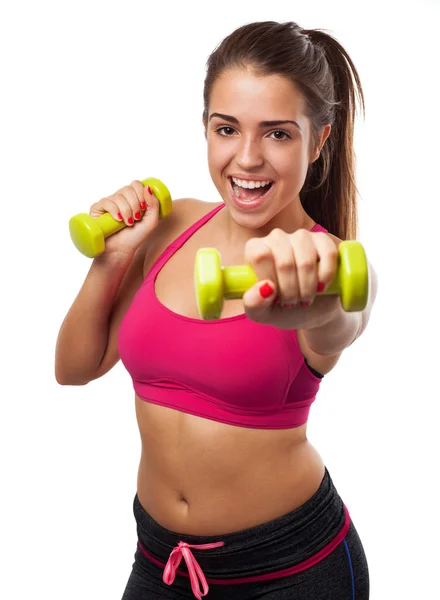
<point x="323" y="71"/>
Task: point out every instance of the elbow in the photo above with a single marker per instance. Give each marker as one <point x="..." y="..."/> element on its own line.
<point x="64" y="378"/>
<point x="68" y="372"/>
<point x="70" y="381"/>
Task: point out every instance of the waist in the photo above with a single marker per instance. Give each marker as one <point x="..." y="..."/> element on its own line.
<point x="197" y="475"/>
<point x="296" y="538"/>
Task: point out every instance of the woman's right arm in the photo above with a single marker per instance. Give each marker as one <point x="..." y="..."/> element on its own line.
<point x="86" y="346"/>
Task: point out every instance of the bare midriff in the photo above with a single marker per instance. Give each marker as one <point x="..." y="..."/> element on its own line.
<point x="201" y="477"/>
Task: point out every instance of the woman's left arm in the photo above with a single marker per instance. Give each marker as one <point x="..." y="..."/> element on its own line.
<point x="342" y="328"/>
<point x="289" y="279"/>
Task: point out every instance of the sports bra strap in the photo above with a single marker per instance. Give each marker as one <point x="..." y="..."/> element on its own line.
<point x="180" y="240"/>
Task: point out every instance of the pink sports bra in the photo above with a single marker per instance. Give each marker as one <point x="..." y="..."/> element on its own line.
<point x="232" y="370"/>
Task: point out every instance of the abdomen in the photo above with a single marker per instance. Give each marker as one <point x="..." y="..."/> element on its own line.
<point x="201" y="477"/>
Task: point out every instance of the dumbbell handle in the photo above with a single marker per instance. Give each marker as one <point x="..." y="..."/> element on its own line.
<point x="350" y="281"/>
<point x="238" y="279"/>
<point x="215" y="283"/>
<point x="109" y="225"/>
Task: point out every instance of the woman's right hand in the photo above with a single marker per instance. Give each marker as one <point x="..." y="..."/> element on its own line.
<point x="138" y="207"/>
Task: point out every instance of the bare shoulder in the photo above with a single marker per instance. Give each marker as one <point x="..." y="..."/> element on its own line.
<point x="186" y="211"/>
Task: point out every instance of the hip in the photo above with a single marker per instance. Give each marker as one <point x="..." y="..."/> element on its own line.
<point x="313" y="551"/>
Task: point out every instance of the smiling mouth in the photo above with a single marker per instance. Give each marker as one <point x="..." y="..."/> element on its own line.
<point x="249" y="194"/>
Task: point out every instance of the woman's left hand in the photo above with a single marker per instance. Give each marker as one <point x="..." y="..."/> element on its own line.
<point x="295" y="267"/>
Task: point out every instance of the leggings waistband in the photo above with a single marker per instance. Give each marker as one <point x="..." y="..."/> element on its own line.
<point x="280" y="547"/>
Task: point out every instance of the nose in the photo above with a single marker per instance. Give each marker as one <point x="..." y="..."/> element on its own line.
<point x="249" y="154"/>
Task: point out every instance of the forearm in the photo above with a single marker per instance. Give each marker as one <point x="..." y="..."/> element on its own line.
<point x="334" y="335"/>
<point x="341" y="328"/>
<point x="83" y="335"/>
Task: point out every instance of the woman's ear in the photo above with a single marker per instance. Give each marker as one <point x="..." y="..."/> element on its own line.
<point x="324" y="133"/>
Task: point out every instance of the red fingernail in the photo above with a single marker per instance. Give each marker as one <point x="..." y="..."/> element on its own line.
<point x="130" y="221"/>
<point x="120" y="216"/>
<point x="149" y="191"/>
<point x="137" y="215"/>
<point x="320" y="287"/>
<point x="266" y="290"/>
<point x="143" y="205"/>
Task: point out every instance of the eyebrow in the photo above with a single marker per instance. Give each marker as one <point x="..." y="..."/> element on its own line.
<point x="261" y="124"/>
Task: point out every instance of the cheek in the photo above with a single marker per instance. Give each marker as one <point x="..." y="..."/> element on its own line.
<point x="293" y="165"/>
<point x="215" y="164"/>
<point x="218" y="155"/>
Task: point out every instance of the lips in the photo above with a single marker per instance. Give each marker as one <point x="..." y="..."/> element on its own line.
<point x="249" y="204"/>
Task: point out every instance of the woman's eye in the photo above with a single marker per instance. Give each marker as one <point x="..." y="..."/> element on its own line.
<point x="280" y="135"/>
<point x="225" y="131"/>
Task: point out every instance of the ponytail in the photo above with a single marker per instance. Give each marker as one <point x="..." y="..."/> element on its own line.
<point x="329" y="194"/>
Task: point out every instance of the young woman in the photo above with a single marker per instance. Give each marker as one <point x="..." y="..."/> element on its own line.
<point x="232" y="500"/>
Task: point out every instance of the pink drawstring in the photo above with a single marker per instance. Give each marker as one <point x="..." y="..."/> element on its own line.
<point x="183" y="549"/>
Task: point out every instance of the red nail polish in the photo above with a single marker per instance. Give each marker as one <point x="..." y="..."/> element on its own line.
<point x="266" y="290"/>
<point x="120" y="216"/>
<point x="149" y="191"/>
<point x="320" y="287"/>
<point x="130" y="221"/>
<point x="143" y="205"/>
<point x="137" y="215"/>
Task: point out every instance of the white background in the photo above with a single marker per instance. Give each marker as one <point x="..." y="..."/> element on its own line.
<point x="95" y="94"/>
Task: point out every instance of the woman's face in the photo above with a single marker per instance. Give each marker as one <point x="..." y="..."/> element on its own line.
<point x="259" y="144"/>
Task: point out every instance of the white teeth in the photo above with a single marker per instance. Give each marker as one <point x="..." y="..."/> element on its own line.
<point x="250" y="184"/>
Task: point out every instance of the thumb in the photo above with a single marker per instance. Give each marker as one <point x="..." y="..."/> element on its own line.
<point x="258" y="300"/>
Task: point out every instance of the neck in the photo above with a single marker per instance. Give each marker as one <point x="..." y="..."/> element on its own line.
<point x="239" y="227"/>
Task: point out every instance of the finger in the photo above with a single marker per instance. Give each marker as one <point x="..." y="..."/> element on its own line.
<point x="124" y="207"/>
<point x="131" y="196"/>
<point x="106" y="205"/>
<point x="306" y="258"/>
<point x="328" y="259"/>
<point x="258" y="254"/>
<point x="285" y="267"/>
<point x="139" y="189"/>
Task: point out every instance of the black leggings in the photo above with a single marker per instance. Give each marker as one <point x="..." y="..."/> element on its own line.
<point x="311" y="553"/>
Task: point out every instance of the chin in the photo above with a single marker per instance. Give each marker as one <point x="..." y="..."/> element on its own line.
<point x="251" y="221"/>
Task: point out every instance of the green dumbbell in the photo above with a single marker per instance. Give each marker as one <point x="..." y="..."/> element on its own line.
<point x="88" y="234"/>
<point x="215" y="283"/>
